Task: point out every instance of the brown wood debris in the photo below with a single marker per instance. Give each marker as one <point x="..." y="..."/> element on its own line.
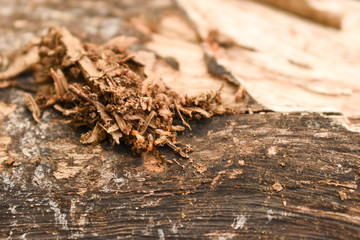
<point x="32" y="106"/>
<point x="21" y="63"/>
<point x="106" y="89"/>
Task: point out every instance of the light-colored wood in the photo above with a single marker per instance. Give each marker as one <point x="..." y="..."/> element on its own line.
<point x="286" y="63"/>
<point x="330" y="13"/>
<point x="344" y="14"/>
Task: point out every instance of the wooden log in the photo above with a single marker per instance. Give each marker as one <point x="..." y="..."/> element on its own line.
<point x="268" y="175"/>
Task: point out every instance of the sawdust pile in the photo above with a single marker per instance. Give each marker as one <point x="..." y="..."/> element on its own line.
<point x="106" y="89"/>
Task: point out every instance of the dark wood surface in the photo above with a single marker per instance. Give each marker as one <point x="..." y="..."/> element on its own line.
<point x="64" y="189"/>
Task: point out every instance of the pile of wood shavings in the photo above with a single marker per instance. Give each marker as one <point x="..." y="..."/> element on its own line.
<point x="104" y="88"/>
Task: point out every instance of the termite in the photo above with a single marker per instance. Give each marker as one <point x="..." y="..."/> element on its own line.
<point x="160" y="140"/>
<point x="162" y="132"/>
<point x="178" y="128"/>
<point x="151" y="143"/>
<point x="138" y="136"/>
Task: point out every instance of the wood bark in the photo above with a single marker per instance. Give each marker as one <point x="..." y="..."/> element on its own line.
<point x="268" y="175"/>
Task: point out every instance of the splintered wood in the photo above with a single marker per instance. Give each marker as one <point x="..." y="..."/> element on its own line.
<point x="333" y="13"/>
<point x="106" y="89"/>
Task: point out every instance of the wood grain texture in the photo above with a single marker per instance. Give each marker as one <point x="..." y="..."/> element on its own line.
<point x="226" y="189"/>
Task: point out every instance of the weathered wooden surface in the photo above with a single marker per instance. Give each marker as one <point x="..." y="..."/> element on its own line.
<point x="269" y="50"/>
<point x="225" y="191"/>
<point x="265" y="175"/>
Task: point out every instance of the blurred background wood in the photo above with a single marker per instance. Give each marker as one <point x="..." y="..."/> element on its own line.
<point x="332" y="13"/>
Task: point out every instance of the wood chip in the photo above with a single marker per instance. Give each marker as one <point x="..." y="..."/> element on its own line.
<point x="32" y="106"/>
<point x="342" y="195"/>
<point x="277" y="187"/>
<point x="21" y="63"/>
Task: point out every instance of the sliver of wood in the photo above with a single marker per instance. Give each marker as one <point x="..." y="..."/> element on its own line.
<point x="330" y="13"/>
